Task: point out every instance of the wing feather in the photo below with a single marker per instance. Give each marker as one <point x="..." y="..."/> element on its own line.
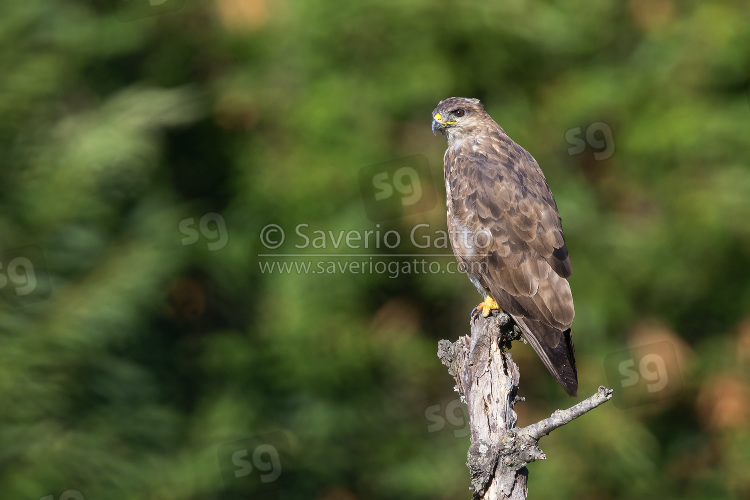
<point x="496" y="188"/>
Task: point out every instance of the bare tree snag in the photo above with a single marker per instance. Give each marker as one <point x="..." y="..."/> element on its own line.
<point x="487" y="380"/>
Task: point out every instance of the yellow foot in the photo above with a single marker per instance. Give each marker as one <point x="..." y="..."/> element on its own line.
<point x="488" y="306"/>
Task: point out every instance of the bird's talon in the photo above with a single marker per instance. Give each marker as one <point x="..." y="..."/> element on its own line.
<point x="487" y="306"/>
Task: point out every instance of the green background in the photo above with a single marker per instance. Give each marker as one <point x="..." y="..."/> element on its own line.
<point x="153" y="349"/>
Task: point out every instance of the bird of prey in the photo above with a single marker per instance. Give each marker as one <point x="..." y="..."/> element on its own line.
<point x="506" y="232"/>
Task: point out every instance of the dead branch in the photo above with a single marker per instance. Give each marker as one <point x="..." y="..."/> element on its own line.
<point x="487" y="379"/>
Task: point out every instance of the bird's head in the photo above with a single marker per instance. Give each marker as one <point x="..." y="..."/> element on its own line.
<point x="457" y="116"/>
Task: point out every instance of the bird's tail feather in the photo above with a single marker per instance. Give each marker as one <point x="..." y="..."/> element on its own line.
<point x="555" y="348"/>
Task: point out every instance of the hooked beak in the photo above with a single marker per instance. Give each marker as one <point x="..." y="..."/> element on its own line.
<point x="436" y="125"/>
<point x="439" y="124"/>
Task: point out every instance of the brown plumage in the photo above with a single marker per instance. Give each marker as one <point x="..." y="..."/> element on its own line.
<point x="506" y="232"/>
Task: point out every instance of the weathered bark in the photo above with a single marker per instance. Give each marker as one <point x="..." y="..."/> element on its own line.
<point x="487" y="379"/>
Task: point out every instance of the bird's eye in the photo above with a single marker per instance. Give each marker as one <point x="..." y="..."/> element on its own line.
<point x="459" y="113"/>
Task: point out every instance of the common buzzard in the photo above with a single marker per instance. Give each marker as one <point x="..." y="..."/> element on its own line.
<point x="506" y="232"/>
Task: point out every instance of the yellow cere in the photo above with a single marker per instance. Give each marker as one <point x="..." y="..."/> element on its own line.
<point x="438" y="117"/>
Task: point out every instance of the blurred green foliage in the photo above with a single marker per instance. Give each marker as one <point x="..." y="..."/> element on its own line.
<point x="145" y="151"/>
